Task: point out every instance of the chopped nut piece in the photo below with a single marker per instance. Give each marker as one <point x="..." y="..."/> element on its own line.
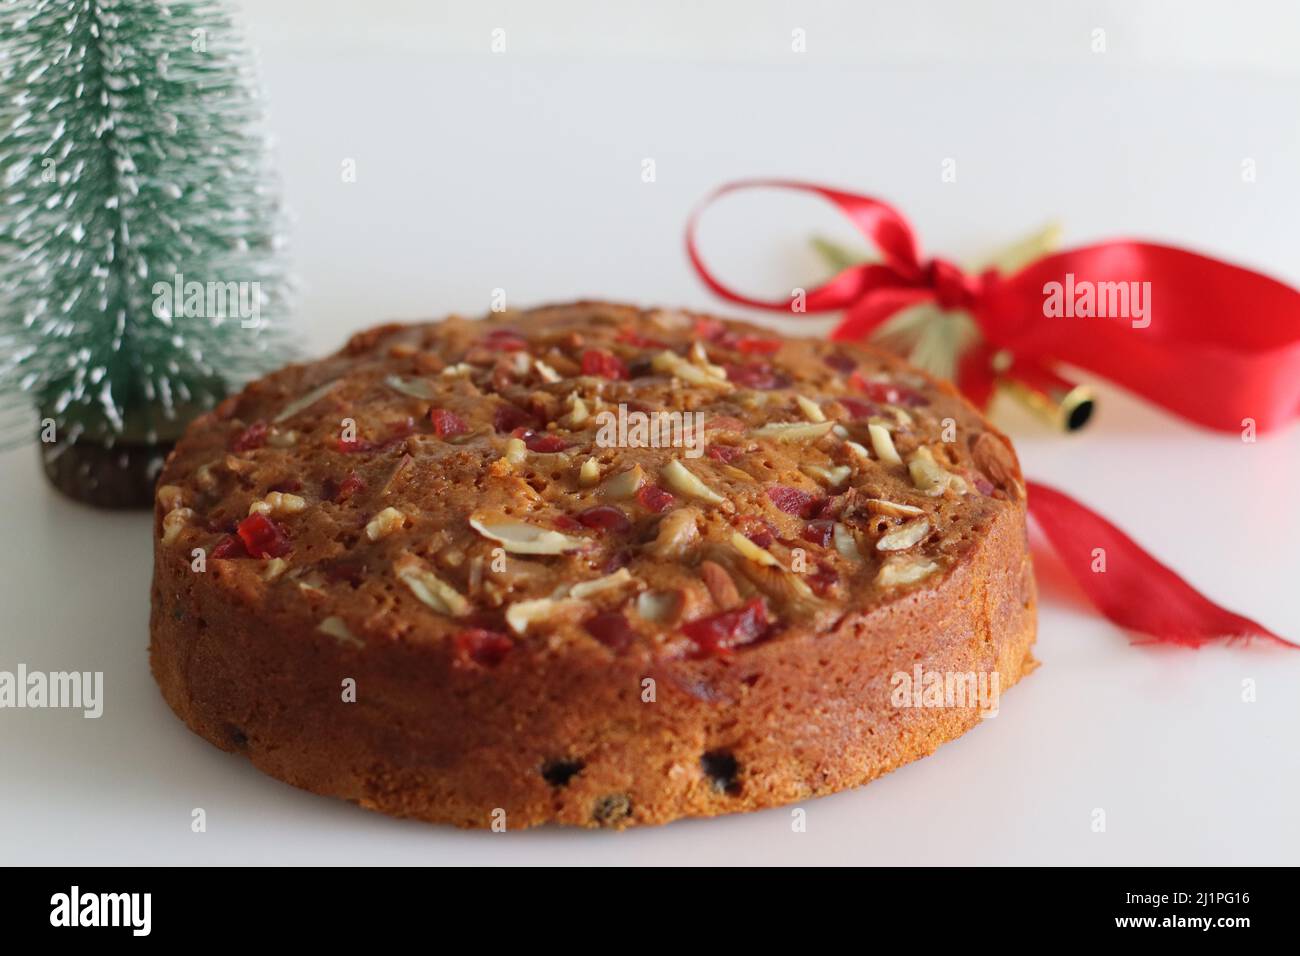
<point x="753" y="552"/>
<point x="811" y="410"/>
<point x="589" y="473"/>
<point x="412" y="387"/>
<point x="313" y="584"/>
<point x="893" y="509"/>
<point x="430" y="588"/>
<point x="996" y="459"/>
<point x="859" y="451"/>
<point x="578" y="412"/>
<point x="701" y="358"/>
<point x="302" y="404"/>
<point x="204" y="478"/>
<point x="237" y="465"/>
<point x="883" y="443"/>
<point x="174" y="523"/>
<point x="522" y="614"/>
<point x="274" y="568"/>
<point x="659" y="606"/>
<point x="385" y="523"/>
<point x="520" y="538"/>
<point x="516" y="451"/>
<point x="586" y="589"/>
<point x="337" y="629"/>
<point x="683" y="481"/>
<point x="625" y="484"/>
<point x="459" y="369"/>
<point x="845" y="543"/>
<point x="670" y="363"/>
<point x="904" y="569"/>
<point x="278" y="503"/>
<point x="279" y="439"/>
<point x="547" y="373"/>
<point x="170" y="497"/>
<point x="678" y="533"/>
<point x="929" y="477"/>
<point x="904" y="536"/>
<point x="833" y="478"/>
<point x="794" y="431"/>
<point x="722" y="587"/>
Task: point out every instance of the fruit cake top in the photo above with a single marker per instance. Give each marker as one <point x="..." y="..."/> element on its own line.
<point x="658" y="483"/>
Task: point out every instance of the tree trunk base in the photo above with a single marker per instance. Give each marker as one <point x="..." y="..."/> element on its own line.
<point x="121" y="476"/>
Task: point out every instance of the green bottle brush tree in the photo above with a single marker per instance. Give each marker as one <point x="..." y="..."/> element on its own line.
<point x="139" y="239"/>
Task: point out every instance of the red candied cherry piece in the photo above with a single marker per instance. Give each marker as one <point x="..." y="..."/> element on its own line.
<point x="354" y="446"/>
<point x="719" y="634"/>
<point x="840" y="362"/>
<point x="566" y="523"/>
<point x="229" y="547"/>
<point x="831" y="506"/>
<point x="254" y="436"/>
<point x="447" y="424"/>
<point x="857" y="408"/>
<point x="709" y="329"/>
<point x="616" y="560"/>
<point x="756" y="530"/>
<point x="819" y="531"/>
<point x="755" y="345"/>
<point x="724" y="453"/>
<point x="653" y="497"/>
<point x="544" y="442"/>
<point x="758" y="375"/>
<point x="792" y="501"/>
<point x="823" y="579"/>
<point x="507" y="418"/>
<point x="611" y="629"/>
<point x="483" y="647"/>
<point x="605" y="518"/>
<point x="348" y="487"/>
<point x="506" y="340"/>
<point x="890" y="393"/>
<point x="262" y="537"/>
<point x="630" y="336"/>
<point x="602" y="363"/>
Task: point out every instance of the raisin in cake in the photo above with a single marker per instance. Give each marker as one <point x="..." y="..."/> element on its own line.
<point x="428" y="575"/>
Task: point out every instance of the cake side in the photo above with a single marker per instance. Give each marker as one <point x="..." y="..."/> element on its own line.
<point x="571" y="740"/>
<point x="679" y="653"/>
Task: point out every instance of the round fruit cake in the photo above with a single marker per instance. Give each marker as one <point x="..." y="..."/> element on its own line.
<point x="588" y="564"/>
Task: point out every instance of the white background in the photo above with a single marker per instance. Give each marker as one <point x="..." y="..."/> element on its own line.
<point x="522" y="171"/>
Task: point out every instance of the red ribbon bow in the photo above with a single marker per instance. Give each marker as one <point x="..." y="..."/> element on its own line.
<point x="1214" y="343"/>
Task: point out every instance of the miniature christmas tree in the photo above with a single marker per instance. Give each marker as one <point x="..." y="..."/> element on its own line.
<point x="138" y="233"/>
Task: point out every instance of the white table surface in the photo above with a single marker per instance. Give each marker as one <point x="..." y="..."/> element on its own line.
<point x="522" y="171"/>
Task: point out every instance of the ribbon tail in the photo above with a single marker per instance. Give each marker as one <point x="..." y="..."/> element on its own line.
<point x="1128" y="585"/>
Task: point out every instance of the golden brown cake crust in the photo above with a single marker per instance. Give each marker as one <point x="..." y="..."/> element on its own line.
<point x="541" y="626"/>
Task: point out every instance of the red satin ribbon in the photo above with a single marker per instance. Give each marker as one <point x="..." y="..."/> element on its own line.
<point x="1217" y="344"/>
<point x="1222" y="343"/>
